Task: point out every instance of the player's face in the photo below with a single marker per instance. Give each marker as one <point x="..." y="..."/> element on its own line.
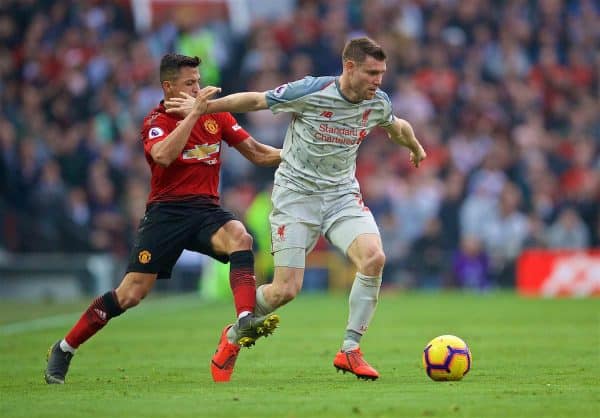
<point x="187" y="82"/>
<point x="366" y="77"/>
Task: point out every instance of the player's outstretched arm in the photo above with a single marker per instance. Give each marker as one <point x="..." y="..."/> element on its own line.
<point x="402" y="133"/>
<point x="259" y="153"/>
<point x="234" y="103"/>
<point x="238" y="103"/>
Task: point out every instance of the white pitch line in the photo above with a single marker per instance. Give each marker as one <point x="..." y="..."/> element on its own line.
<point x="39" y="324"/>
<point x="57" y="321"/>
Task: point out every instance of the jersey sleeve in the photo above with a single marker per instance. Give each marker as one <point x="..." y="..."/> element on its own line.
<point x="291" y="97"/>
<point x="154" y="131"/>
<point x="388" y="115"/>
<point x="233" y="133"/>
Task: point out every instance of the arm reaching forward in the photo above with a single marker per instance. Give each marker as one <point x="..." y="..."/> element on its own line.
<point x="402" y="133"/>
<point x="238" y="103"/>
<point x="234" y="103"/>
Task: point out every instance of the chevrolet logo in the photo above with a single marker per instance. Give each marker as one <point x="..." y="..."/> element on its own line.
<point x="200" y="152"/>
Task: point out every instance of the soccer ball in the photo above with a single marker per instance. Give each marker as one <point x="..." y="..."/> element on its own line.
<point x="446" y="358"/>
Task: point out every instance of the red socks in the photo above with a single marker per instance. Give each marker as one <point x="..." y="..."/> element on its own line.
<point x="242" y="280"/>
<point x="100" y="311"/>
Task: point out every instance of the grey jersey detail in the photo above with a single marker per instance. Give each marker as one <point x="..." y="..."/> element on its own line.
<point x="322" y="140"/>
<point x="279" y="98"/>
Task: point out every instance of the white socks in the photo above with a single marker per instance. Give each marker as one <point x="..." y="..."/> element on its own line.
<point x="262" y="306"/>
<point x="243" y="314"/>
<point x="64" y="346"/>
<point x="363" y="301"/>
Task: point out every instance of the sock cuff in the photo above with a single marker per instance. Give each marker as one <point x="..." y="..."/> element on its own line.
<point x="242" y="259"/>
<point x="111" y="303"/>
<point x="262" y="306"/>
<point x="352" y="335"/>
<point x="365" y="280"/>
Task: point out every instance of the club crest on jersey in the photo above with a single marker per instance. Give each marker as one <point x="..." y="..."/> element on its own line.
<point x="144" y="256"/>
<point x="204" y="152"/>
<point x="211" y="126"/>
<point x="155" y="132"/>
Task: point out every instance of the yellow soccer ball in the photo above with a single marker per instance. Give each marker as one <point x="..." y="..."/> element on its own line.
<point x="447" y="357"/>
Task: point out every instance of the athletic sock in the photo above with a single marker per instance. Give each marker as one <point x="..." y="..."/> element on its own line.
<point x="96" y="316"/>
<point x="64" y="346"/>
<point x="242" y="281"/>
<point x="262" y="306"/>
<point x="351" y="340"/>
<point x="363" y="301"/>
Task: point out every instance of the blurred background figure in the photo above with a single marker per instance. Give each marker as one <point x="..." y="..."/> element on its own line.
<point x="568" y="231"/>
<point x="510" y="119"/>
<point x="470" y="265"/>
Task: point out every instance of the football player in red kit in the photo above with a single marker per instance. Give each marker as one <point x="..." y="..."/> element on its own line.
<point x="183" y="212"/>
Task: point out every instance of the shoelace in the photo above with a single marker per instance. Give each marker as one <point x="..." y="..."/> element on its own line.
<point x="355" y="359"/>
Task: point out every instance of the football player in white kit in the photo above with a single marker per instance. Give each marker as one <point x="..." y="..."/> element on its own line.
<point x="315" y="189"/>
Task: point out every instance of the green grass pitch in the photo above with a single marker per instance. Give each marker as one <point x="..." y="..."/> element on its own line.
<point x="531" y="358"/>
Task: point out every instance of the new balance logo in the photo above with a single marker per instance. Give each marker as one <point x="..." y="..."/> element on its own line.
<point x="327" y="114"/>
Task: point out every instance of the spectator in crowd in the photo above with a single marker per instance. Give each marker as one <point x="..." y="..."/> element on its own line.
<point x="568" y="231"/>
<point x="470" y="265"/>
<point x="76" y="77"/>
<point x="504" y="235"/>
<point x="429" y="259"/>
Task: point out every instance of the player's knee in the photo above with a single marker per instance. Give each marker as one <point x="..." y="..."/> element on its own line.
<point x="374" y="261"/>
<point x="131" y="297"/>
<point x="241" y="240"/>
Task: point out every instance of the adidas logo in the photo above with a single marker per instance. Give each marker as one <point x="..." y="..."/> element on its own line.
<point x="100" y="313"/>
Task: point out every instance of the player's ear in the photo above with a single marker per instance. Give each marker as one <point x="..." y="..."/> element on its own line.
<point x="349" y="65"/>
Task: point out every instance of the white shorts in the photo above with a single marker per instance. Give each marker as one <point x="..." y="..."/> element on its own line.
<point x="298" y="219"/>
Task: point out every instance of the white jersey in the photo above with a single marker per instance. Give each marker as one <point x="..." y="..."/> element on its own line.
<point x="322" y="140"/>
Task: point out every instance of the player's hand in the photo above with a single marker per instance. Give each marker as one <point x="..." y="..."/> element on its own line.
<point x="187" y="104"/>
<point x="180" y="105"/>
<point x="201" y="103"/>
<point x="418" y="155"/>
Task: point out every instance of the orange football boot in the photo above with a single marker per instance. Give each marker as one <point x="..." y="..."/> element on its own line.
<point x="224" y="359"/>
<point x="352" y="361"/>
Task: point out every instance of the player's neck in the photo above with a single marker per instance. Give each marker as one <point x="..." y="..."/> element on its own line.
<point x="347" y="92"/>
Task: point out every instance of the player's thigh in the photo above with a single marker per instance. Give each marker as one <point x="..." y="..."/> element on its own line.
<point x="346" y="219"/>
<point x="230" y="237"/>
<point x="212" y="222"/>
<point x="159" y="241"/>
<point x="295" y="225"/>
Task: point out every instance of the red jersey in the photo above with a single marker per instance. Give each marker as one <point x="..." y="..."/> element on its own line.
<point x="196" y="170"/>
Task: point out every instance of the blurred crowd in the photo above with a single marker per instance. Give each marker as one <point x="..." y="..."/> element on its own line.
<point x="504" y="96"/>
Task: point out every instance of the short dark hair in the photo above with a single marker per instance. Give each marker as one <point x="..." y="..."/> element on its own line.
<point x="357" y="50"/>
<point x="171" y="63"/>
